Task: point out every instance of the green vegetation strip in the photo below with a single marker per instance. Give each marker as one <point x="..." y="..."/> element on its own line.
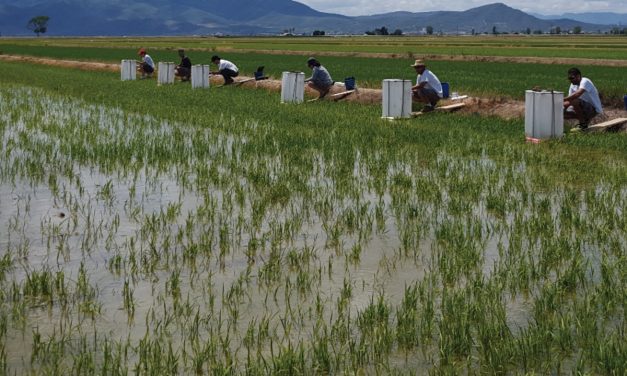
<point x="485" y="79"/>
<point x="592" y="47"/>
<point x="164" y="230"/>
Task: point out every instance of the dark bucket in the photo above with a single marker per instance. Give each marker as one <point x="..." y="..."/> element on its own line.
<point x="445" y="89"/>
<point x="349" y="82"/>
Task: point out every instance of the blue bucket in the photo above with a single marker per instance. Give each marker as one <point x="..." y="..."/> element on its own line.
<point x="625" y="100"/>
<point x="349" y="82"/>
<point x="445" y="89"/>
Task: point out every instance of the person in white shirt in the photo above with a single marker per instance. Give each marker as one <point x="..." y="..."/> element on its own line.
<point x="428" y="89"/>
<point x="227" y="69"/>
<point x="583" y="102"/>
<point x="147" y="66"/>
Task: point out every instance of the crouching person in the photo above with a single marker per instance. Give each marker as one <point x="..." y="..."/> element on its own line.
<point x="583" y="102"/>
<point x="320" y="79"/>
<point x="227" y="69"/>
<point x="184" y="69"/>
<point x="146" y="67"/>
<point x="428" y="89"/>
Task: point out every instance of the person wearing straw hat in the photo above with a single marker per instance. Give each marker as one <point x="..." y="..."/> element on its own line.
<point x="227" y="69"/>
<point x="146" y="66"/>
<point x="428" y="89"/>
<point x="320" y="79"/>
<point x="184" y="69"/>
<point x="583" y="102"/>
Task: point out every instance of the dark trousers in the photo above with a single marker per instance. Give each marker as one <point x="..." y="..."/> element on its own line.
<point x="228" y="75"/>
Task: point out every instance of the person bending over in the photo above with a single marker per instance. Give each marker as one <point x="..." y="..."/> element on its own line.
<point x="227" y="69"/>
<point x="428" y="89"/>
<point x="146" y="66"/>
<point x="320" y="79"/>
<point x="583" y="102"/>
<point x="184" y="69"/>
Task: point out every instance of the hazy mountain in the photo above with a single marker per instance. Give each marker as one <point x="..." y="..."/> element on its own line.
<point x="600" y="18"/>
<point x="481" y="19"/>
<point x="240" y="17"/>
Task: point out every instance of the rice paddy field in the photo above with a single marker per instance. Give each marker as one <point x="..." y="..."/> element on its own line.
<point x="152" y="229"/>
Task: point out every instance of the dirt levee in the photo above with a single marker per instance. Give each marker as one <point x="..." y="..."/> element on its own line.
<point x="83" y="65"/>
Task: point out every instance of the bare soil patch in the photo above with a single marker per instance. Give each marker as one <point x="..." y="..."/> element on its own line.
<point x="83" y="65"/>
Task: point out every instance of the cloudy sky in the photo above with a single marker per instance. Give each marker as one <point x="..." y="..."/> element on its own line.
<point x="364" y="7"/>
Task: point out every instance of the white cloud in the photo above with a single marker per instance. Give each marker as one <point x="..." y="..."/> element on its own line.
<point x="365" y="7"/>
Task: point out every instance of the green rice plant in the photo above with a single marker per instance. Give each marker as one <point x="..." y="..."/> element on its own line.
<point x="306" y="238"/>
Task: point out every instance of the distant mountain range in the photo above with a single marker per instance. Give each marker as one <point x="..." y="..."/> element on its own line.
<point x="601" y="18"/>
<point x="246" y="17"/>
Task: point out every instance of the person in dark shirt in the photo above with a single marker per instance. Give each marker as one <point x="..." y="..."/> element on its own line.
<point x="320" y="79"/>
<point x="184" y="69"/>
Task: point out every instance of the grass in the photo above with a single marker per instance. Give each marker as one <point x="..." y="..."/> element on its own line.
<point x="562" y="46"/>
<point x="242" y="236"/>
<point x="489" y="79"/>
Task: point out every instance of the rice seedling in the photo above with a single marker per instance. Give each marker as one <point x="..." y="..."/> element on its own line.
<point x="285" y="241"/>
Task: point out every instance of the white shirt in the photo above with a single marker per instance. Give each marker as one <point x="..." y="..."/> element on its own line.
<point x="590" y="94"/>
<point x="225" y="64"/>
<point x="431" y="80"/>
<point x="148" y="60"/>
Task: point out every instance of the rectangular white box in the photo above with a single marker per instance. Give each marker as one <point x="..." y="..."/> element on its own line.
<point x="200" y="76"/>
<point x="293" y="87"/>
<point x="544" y="114"/>
<point x="396" y="98"/>
<point x="166" y="73"/>
<point x="128" y="70"/>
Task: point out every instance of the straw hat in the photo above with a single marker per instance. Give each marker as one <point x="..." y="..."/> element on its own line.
<point x="418" y="63"/>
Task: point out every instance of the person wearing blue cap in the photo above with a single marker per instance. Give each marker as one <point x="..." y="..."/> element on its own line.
<point x="320" y="79"/>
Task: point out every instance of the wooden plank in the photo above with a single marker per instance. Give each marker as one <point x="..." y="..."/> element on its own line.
<point x="341" y="95"/>
<point x="238" y="83"/>
<point x="449" y="108"/>
<point x="607" y="124"/>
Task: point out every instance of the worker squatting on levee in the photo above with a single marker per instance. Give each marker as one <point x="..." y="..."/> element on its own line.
<point x="583" y="102"/>
<point x="428" y="89"/>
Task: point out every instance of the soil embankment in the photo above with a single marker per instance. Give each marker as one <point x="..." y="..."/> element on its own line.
<point x="501" y="107"/>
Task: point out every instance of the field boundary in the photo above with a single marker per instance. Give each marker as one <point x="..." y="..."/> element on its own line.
<point x="505" y="108"/>
<point x="488" y="59"/>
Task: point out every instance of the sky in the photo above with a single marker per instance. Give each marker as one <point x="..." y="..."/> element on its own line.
<point x="551" y="7"/>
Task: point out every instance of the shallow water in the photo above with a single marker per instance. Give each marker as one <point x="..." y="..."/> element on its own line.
<point x="197" y="262"/>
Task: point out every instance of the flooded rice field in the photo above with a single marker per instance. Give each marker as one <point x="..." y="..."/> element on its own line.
<point x="133" y="244"/>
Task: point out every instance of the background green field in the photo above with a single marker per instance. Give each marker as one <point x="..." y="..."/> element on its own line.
<point x="594" y="47"/>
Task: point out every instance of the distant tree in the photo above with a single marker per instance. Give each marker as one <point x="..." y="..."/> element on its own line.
<point x="577" y="30"/>
<point x="528" y="31"/>
<point x="382" y="31"/>
<point x="429" y="30"/>
<point x="369" y="32"/>
<point x="39" y="24"/>
<point x="556" y="30"/>
<point x="318" y="33"/>
<point x="537" y="32"/>
<point x="494" y="30"/>
<point x="472" y="31"/>
<point x="398" y="32"/>
<point x="615" y="30"/>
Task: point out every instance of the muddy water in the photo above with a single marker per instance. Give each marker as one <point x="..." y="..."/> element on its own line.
<point x="85" y="219"/>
